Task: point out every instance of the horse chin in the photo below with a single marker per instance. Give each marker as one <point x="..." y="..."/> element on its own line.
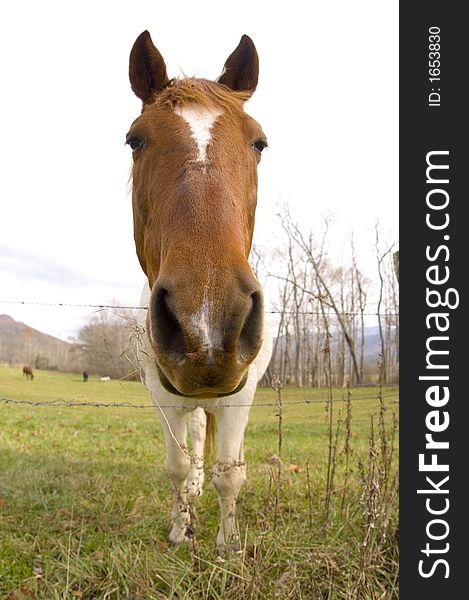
<point x="203" y="393"/>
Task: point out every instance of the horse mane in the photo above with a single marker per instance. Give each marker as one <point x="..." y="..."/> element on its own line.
<point x="210" y="94"/>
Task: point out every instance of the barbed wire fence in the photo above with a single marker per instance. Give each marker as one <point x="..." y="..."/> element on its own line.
<point x="133" y="307"/>
<point x="117" y="307"/>
<point x="73" y="404"/>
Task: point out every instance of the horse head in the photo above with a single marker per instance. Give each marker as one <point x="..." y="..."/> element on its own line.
<point x="194" y="191"/>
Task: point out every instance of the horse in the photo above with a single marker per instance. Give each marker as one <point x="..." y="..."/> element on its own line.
<point x="28" y="372"/>
<point x="205" y="341"/>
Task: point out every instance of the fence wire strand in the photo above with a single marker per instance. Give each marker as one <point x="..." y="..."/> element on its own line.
<point x="131" y="307"/>
<point x="73" y="403"/>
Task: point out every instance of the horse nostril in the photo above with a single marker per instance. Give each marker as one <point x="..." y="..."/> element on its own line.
<point x="250" y="338"/>
<point x="165" y="327"/>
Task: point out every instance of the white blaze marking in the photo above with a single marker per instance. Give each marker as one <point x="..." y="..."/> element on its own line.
<point x="201" y="322"/>
<point x="200" y="119"/>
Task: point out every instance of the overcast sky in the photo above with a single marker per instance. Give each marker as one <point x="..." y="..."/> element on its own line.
<point x="327" y="99"/>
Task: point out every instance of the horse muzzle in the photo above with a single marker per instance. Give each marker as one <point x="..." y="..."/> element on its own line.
<point x="202" y="351"/>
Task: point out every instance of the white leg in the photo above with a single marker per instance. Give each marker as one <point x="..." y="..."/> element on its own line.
<point x="229" y="471"/>
<point x="174" y="422"/>
<point x="198" y="425"/>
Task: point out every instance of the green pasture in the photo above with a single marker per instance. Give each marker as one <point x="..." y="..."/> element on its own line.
<point x="85" y="501"/>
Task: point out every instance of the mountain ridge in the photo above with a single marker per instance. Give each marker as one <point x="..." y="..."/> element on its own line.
<point x="21" y="343"/>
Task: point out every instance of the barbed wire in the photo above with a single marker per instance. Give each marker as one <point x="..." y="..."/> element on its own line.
<point x="131" y="307"/>
<point x="72" y="403"/>
<point x="71" y="305"/>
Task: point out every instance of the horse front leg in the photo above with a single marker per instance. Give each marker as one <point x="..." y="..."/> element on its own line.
<point x="198" y="428"/>
<point x="178" y="464"/>
<point x="229" y="471"/>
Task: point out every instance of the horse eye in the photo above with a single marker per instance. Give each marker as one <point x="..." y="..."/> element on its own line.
<point x="136" y="143"/>
<point x="259" y="145"/>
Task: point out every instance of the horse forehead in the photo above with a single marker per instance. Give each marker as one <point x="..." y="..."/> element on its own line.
<point x="200" y="120"/>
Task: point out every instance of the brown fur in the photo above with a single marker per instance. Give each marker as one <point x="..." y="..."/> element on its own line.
<point x="201" y="91"/>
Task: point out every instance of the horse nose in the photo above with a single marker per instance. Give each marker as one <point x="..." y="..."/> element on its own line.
<point x="166" y="330"/>
<point x="250" y="338"/>
<point x="177" y="331"/>
<point x="211" y="344"/>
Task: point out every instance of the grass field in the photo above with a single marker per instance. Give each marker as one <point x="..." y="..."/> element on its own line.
<point x="85" y="500"/>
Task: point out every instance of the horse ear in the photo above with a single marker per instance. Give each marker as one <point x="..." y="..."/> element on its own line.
<point x="241" y="70"/>
<point x="147" y="69"/>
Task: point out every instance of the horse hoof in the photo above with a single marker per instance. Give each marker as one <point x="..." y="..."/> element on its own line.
<point x="190" y="532"/>
<point x="181" y="536"/>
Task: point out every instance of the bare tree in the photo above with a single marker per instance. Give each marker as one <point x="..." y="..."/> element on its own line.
<point x="105" y="340"/>
<point x="386" y="330"/>
<point x="312" y="290"/>
<point x="324" y="289"/>
<point x="361" y="285"/>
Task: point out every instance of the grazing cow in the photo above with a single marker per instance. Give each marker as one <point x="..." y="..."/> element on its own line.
<point x="28" y="372"/>
<point x="205" y="342"/>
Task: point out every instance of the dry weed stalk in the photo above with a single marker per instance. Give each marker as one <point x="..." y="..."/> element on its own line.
<point x="277" y="385"/>
<point x="328" y="368"/>
<point x="378" y="496"/>
<point x="310" y="497"/>
<point x="347" y="449"/>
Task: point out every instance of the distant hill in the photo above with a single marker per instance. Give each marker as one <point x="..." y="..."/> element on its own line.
<point x="21" y="344"/>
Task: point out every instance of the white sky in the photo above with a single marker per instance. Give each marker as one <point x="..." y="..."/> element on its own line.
<point x="327" y="99"/>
